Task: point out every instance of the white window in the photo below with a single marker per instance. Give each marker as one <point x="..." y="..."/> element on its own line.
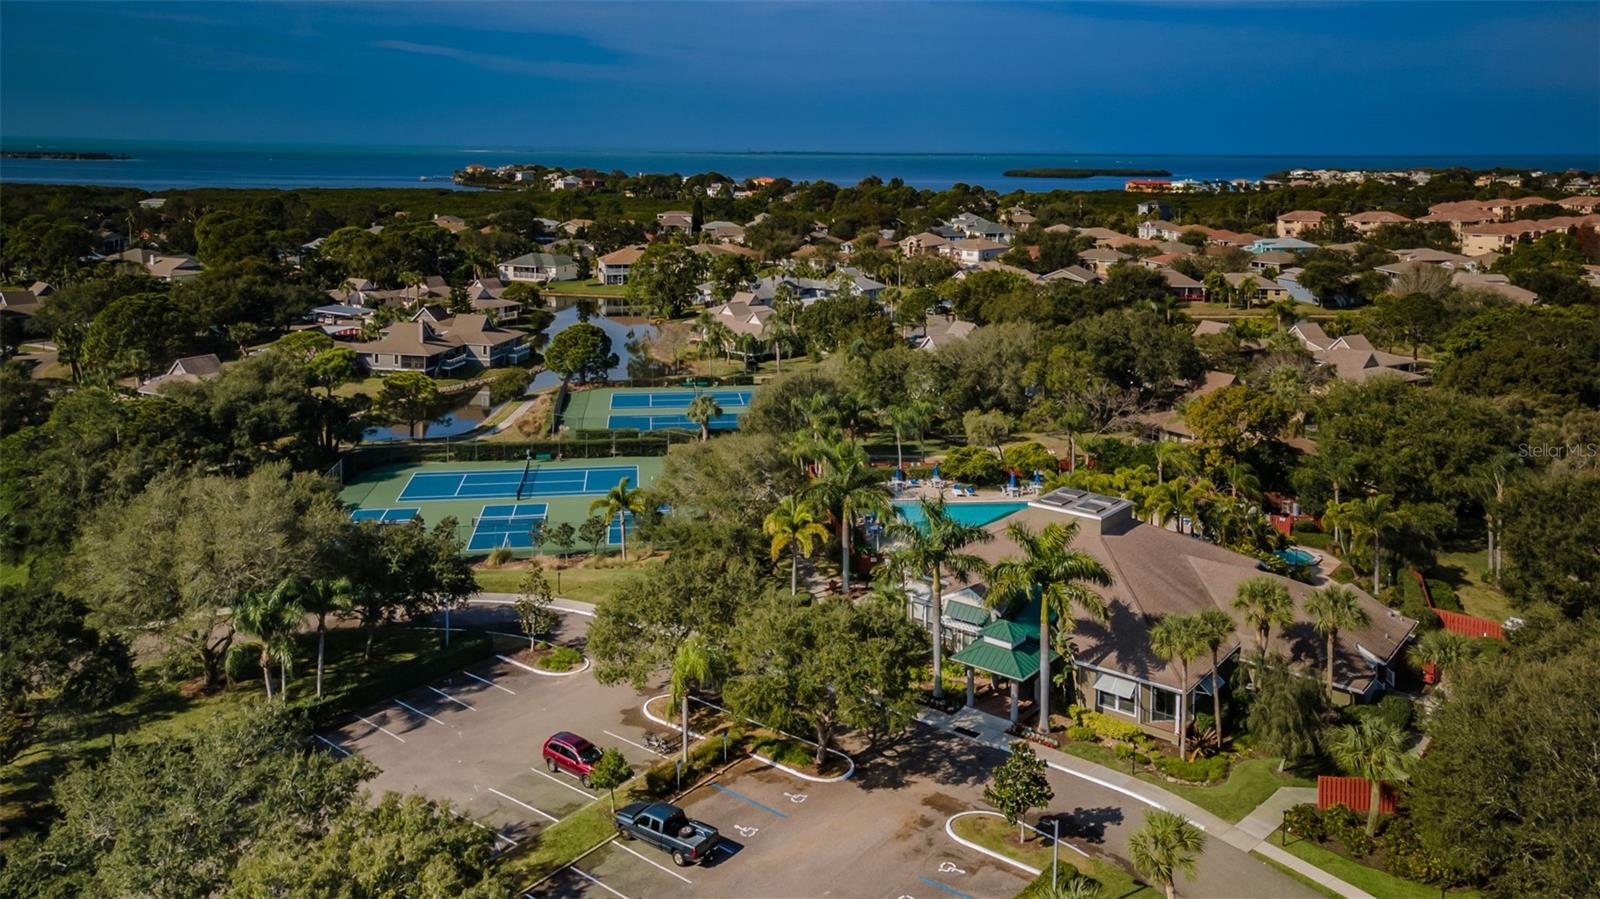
<point x="1116" y="694"/>
<point x="1111" y="702"/>
<point x="1163" y="706"/>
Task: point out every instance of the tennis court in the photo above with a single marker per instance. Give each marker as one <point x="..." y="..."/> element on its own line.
<point x="386" y="516"/>
<point x="503" y="483"/>
<point x="507" y="526"/>
<point x="652" y="409"/>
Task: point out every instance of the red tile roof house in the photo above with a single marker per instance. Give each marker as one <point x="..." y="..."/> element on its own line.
<point x="1296" y="223"/>
<point x="1158" y="572"/>
<point x="1368" y="222"/>
<point x="612" y="268"/>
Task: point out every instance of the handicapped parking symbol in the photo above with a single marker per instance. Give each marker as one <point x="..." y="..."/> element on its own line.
<point x="796" y="798"/>
<point x="746" y="832"/>
<point x="950" y="868"/>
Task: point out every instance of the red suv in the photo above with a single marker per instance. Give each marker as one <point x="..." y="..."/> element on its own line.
<point x="571" y="753"/>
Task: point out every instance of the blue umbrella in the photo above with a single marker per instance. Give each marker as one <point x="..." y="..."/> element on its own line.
<point x="899" y="474"/>
<point x="936" y="471"/>
<point x="1013" y="480"/>
<point x="1038" y="478"/>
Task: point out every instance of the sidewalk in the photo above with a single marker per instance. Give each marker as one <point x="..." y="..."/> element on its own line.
<point x="1248" y="835"/>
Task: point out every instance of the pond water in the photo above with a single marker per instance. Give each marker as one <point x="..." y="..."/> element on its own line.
<point x="469" y="411"/>
<point x="623" y="333"/>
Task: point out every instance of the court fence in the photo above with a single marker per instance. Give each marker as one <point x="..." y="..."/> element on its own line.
<point x="655" y="443"/>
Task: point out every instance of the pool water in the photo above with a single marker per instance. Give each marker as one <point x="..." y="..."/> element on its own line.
<point x="967" y="513"/>
<point x="1296" y="557"/>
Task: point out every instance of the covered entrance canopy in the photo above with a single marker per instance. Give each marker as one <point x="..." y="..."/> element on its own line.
<point x="1007" y="649"/>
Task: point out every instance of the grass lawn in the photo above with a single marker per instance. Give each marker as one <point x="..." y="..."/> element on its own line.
<point x="586" y="582"/>
<point x="1378" y="883"/>
<point x="589" y="287"/>
<point x="1115" y="883"/>
<point x="14" y="575"/>
<point x="995" y="834"/>
<point x="1464" y="570"/>
<point x="1248" y="785"/>
<point x="401" y="657"/>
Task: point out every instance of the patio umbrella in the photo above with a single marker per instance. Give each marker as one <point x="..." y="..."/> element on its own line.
<point x="936" y="472"/>
<point x="1038" y="477"/>
<point x="1013" y="480"/>
<point x="899" y="474"/>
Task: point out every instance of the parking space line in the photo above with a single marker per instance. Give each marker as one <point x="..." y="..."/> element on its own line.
<point x="453" y="699"/>
<point x="652" y="862"/>
<point x="738" y="795"/>
<point x="558" y="780"/>
<point x="946" y="887"/>
<point x="416" y="711"/>
<point x="596" y="881"/>
<point x="530" y="808"/>
<point x="331" y="743"/>
<point x="382" y="728"/>
<point x="491" y="683"/>
<point x="497" y="834"/>
<point x="631" y="743"/>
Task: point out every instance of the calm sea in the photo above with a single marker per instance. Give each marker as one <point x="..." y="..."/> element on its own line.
<point x="158" y="166"/>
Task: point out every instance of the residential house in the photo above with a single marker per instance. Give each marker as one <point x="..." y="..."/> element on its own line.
<point x="979" y="228"/>
<point x="165" y="266"/>
<point x="970" y="251"/>
<point x="675" y="220"/>
<point x="1280" y="245"/>
<point x="1368" y="222"/>
<point x="1168" y="424"/>
<point x="925" y="242"/>
<point x="1498" y="285"/>
<point x="19" y="303"/>
<point x="539" y="268"/>
<point x="1155" y="573"/>
<point x="1019" y="218"/>
<point x="1077" y="274"/>
<point x="1154" y="208"/>
<point x="1352" y="357"/>
<point x="345" y="316"/>
<point x="487" y="345"/>
<point x="1274" y="260"/>
<point x="723" y="232"/>
<point x="1581" y="205"/>
<point x="744" y="315"/>
<point x="1160" y="229"/>
<point x="188" y="370"/>
<point x="1182" y="286"/>
<point x="1499" y="237"/>
<point x="559" y="181"/>
<point x="1267" y="290"/>
<point x="939" y="330"/>
<point x="574" y="227"/>
<point x="1298" y="222"/>
<point x="1101" y="259"/>
<point x="612" y="268"/>
<point x="411" y="346"/>
<point x="455" y="224"/>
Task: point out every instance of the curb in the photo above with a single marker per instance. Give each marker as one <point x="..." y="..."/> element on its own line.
<point x="838" y="778"/>
<point x="541" y="671"/>
<point x="951" y="832"/>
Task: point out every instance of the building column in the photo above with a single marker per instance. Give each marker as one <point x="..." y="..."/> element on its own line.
<point x="1014" y="702"/>
<point x="971" y="687"/>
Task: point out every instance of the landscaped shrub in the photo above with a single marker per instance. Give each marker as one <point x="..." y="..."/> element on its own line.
<point x="1305" y="821"/>
<point x="562" y="658"/>
<point x="1081" y="734"/>
<point x="1393" y="708"/>
<point x="242" y="663"/>
<point x="1026" y="458"/>
<point x="1109" y="728"/>
<point x="1348" y="828"/>
<point x="1206" y="770"/>
<point x="1444" y="595"/>
<point x="508" y="384"/>
<point x="971" y="463"/>
<point x="499" y="556"/>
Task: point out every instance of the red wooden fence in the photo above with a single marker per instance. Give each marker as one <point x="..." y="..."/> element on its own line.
<point x="1352" y="792"/>
<point x="1468" y="625"/>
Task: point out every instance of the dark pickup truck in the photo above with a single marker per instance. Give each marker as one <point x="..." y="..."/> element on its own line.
<point x="665" y="825"/>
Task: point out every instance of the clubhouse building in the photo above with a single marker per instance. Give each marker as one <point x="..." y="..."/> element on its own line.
<point x="1155" y="572"/>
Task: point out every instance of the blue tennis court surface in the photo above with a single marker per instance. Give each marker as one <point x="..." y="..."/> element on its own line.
<point x="667" y="421"/>
<point x="679" y="399"/>
<point x="387" y="516"/>
<point x="509" y="526"/>
<point x="510" y="482"/>
<point x="614" y="533"/>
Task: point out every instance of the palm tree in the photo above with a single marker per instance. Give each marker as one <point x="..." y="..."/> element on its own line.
<point x="910" y="416"/>
<point x="1217" y="288"/>
<point x="847" y="487"/>
<point x="1179" y="637"/>
<point x="1164" y="503"/>
<point x="1060" y="577"/>
<point x="1242" y="479"/>
<point x="1215" y="627"/>
<point x="696" y="664"/>
<point x="1247" y="291"/>
<point x="1074" y="886"/>
<point x="1442" y="649"/>
<point x="1163" y="846"/>
<point x="702" y="409"/>
<point x="1175" y="454"/>
<point x="930" y="551"/>
<point x="1369" y="518"/>
<point x="1335" y="608"/>
<point x="620" y="501"/>
<point x="273" y="615"/>
<point x="793" y="523"/>
<point x="1264" y="602"/>
<point x="323" y="597"/>
<point x="1163" y="303"/>
<point x="1374" y="749"/>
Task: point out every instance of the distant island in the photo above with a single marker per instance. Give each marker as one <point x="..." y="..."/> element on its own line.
<point x="60" y="154"/>
<point x="1082" y="173"/>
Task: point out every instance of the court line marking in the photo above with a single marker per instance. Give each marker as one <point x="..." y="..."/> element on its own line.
<point x="382" y="728"/>
<point x="946" y="887"/>
<point x="594" y="880"/>
<point x="530" y="808"/>
<point x="738" y="795"/>
<point x="547" y="775"/>
<point x="333" y="744"/>
<point x="416" y="711"/>
<point x="631" y="743"/>
<point x="453" y="699"/>
<point x="652" y="862"/>
<point x="489" y="682"/>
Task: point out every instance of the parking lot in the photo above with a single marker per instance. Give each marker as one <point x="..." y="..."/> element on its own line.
<point x="473" y="738"/>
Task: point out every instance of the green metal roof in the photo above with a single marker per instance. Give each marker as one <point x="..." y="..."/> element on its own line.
<point x="966" y="613"/>
<point x="1017" y="664"/>
<point x="1011" y="632"/>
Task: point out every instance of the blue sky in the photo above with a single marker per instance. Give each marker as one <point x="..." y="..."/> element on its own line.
<point x="1312" y="78"/>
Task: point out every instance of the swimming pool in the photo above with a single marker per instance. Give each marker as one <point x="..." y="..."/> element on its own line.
<point x="1296" y="556"/>
<point x="968" y="513"/>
